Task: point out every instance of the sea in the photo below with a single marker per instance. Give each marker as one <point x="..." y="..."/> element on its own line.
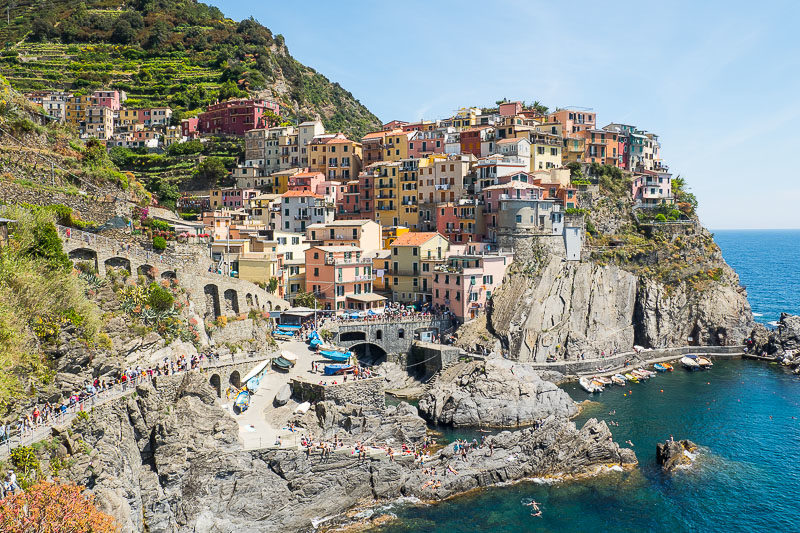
<point x="744" y="415"/>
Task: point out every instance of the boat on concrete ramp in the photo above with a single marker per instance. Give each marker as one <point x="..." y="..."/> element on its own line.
<point x="689" y="362"/>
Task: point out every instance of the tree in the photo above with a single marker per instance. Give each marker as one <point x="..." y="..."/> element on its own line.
<point x="211" y="169"/>
<point x="46" y="245"/>
<point x="306" y="299"/>
<point x="123" y="32"/>
<point x="50" y="507"/>
<point x="159" y="33"/>
<point x="42" y="29"/>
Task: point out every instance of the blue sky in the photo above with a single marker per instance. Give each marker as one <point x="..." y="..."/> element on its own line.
<point x="718" y="81"/>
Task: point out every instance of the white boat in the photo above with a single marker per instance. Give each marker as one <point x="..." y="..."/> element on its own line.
<point x="646" y="372"/>
<point x="690" y="362"/>
<point x="587" y="385"/>
<point x="602" y="379"/>
<point x="639" y="374"/>
<point x="618" y="379"/>
<point x="704" y="362"/>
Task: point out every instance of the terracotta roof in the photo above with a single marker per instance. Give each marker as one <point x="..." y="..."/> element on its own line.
<point x="415" y="238"/>
<point x="512" y="185"/>
<point x="375" y="135"/>
<point x="511" y="140"/>
<point x="297" y="194"/>
<point x="339" y="140"/>
<point x="307" y="174"/>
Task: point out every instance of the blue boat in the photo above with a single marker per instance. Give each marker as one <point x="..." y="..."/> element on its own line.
<point x="335" y="355"/>
<point x="242" y="401"/>
<point x="660" y="367"/>
<point x="332" y="370"/>
<point x="253" y="383"/>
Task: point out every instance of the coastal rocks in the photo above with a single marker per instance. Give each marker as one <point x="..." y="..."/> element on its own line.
<point x="493" y="393"/>
<point x="571" y="309"/>
<point x="169" y="460"/>
<point x="283" y="395"/>
<point x="783" y="342"/>
<point x="674" y="454"/>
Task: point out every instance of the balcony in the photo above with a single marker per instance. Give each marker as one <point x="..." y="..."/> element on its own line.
<point x="443" y="187"/>
<point x="346" y="261"/>
<point x="368" y="277"/>
<point x="383" y="196"/>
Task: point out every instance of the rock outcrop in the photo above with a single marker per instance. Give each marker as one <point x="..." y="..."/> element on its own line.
<point x="781" y="343"/>
<point x="675" y="453"/>
<point x="494" y="393"/>
<point x="168" y="460"/>
<point x="571" y="309"/>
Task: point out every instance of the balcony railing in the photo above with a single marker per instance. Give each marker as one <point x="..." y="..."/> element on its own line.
<point x="346" y="261"/>
<point x="366" y="277"/>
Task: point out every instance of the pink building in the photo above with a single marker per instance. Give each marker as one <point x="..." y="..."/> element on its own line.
<point x="189" y="127"/>
<point x="510" y="109"/>
<point x="341" y="277"/>
<point x="235" y="117"/>
<point x="652" y="188"/>
<point x="109" y="99"/>
<point x="306" y="181"/>
<point x="333" y="191"/>
<point x="465" y="283"/>
<point x="425" y="143"/>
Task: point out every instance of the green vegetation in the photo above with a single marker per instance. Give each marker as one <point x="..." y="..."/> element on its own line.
<point x="686" y="201"/>
<point x="306" y="299"/>
<point x="39" y="296"/>
<point x="159" y="243"/>
<point x="179" y="53"/>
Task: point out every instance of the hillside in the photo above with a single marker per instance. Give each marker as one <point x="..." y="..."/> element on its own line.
<point x="178" y="53"/>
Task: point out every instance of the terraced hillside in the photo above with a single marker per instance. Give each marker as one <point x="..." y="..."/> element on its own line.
<point x="179" y="53"/>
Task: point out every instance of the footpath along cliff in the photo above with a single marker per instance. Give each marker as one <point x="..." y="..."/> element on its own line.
<point x="641" y="281"/>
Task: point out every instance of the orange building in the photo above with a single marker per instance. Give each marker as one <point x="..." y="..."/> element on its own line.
<point x="341" y="277"/>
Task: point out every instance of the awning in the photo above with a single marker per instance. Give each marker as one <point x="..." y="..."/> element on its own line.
<point x="366" y="297"/>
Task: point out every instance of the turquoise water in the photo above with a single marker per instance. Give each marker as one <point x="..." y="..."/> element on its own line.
<point x="745" y="415"/>
<point x="743" y="480"/>
<point x="768" y="264"/>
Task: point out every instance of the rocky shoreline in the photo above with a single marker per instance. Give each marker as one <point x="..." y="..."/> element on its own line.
<point x="169" y="460"/>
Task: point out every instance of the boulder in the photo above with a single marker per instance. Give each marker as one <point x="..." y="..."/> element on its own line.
<point x="494" y="393"/>
<point x="283" y="395"/>
<point x="675" y="453"/>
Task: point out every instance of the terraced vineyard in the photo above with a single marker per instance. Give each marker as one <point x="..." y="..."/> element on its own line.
<point x="178" y="53"/>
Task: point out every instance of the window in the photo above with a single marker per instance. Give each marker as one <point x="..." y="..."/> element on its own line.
<point x="414" y="251"/>
<point x="379" y="334"/>
<point x="316" y="255"/>
<point x="395" y="253"/>
<point x="316" y="271"/>
<point x="487" y="280"/>
<point x="458" y="296"/>
<point x="519" y="218"/>
<point x="401" y="333"/>
<point x="396" y="267"/>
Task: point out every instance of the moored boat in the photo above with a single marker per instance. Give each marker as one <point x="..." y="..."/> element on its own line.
<point x="242" y="401"/>
<point x="618" y="379"/>
<point x="690" y="362"/>
<point x="704" y="362"/>
<point x="587" y="385"/>
<point x="631" y="377"/>
<point x="648" y="373"/>
<point x="668" y="366"/>
<point x="602" y="379"/>
<point x="598" y="385"/>
<point x="639" y="374"/>
<point x="660" y="367"/>
<point x="335" y="355"/>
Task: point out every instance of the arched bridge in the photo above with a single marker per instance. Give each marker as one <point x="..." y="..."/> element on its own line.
<point x="212" y="294"/>
<point x="377" y="338"/>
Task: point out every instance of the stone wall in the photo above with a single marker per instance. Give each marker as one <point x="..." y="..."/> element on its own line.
<point x="98" y="207"/>
<point x="426" y="358"/>
<point x="367" y="392"/>
<point x="393" y="336"/>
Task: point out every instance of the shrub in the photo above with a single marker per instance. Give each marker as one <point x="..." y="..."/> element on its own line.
<point x="159" y="244"/>
<point x="160" y="298"/>
<point x="660" y="218"/>
<point x="48" y="506"/>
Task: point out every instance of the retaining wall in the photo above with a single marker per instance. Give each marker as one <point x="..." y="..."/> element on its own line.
<point x="367" y="392"/>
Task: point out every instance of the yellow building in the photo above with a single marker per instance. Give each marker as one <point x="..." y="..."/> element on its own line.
<point x="76" y="109"/>
<point x="128" y="117"/>
<point x="412" y="263"/>
<point x="546" y="151"/>
<point x="395" y="145"/>
<point x="408" y="208"/>
<point x="381" y="261"/>
<point x="391" y="233"/>
<point x="335" y="156"/>
<point x="465" y="118"/>
<point x="386" y="187"/>
<point x="573" y="150"/>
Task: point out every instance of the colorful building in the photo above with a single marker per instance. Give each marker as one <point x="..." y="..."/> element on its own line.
<point x="236" y="116"/>
<point x="414" y="256"/>
<point x="341" y="277"/>
<point x="464" y="284"/>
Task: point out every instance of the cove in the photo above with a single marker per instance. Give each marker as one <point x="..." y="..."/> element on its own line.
<point x="744" y="414"/>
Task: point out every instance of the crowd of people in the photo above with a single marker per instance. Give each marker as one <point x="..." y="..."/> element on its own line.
<point x="97" y="390"/>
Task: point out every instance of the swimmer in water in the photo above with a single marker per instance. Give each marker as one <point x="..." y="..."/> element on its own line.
<point x="613" y="412"/>
<point x="537" y="514"/>
<point x="628" y="443"/>
<point x="533" y="504"/>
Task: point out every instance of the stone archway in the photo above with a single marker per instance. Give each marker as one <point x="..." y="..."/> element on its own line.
<point x="369" y="353"/>
<point x="147" y="271"/>
<point x="212" y="301"/>
<point x="84" y="255"/>
<point x="235" y="379"/>
<point x="169" y="274"/>
<point x="118" y="263"/>
<point x="249" y="300"/>
<point x="231" y="301"/>
<point x="216" y="384"/>
<point x="352" y="336"/>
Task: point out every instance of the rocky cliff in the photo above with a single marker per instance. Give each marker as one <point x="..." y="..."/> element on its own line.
<point x="168" y="460"/>
<point x="674" y="291"/>
<point x="494" y="393"/>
